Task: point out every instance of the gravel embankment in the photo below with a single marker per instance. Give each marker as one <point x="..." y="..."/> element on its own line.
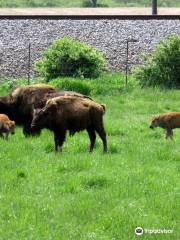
<point x="107" y="35"/>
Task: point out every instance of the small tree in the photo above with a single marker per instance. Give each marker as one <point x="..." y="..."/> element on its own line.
<point x="154" y="7"/>
<point x="68" y="57"/>
<point x="163" y="66"/>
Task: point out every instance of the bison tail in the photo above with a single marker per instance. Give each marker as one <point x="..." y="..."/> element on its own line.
<point x="104" y="107"/>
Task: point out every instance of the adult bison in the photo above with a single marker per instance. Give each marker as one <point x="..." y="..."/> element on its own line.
<point x="74" y="114"/>
<point x="20" y="103"/>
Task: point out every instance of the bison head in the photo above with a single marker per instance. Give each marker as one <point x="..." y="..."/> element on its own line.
<point x="12" y="125"/>
<point x="154" y="123"/>
<point x="42" y="118"/>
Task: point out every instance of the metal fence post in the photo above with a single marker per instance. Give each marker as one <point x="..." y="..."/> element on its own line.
<point x="127" y="58"/>
<point x="132" y="40"/>
<point x="154" y="7"/>
<point x="29" y="62"/>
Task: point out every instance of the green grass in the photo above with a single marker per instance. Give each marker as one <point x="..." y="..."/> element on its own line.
<point x="81" y="3"/>
<point x="81" y="196"/>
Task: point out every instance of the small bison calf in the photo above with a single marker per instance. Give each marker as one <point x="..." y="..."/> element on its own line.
<point x="168" y="121"/>
<point x="6" y="126"/>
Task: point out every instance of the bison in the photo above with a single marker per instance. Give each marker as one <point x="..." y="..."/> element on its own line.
<point x="74" y="114"/>
<point x="19" y="104"/>
<point x="6" y="126"/>
<point x="167" y="121"/>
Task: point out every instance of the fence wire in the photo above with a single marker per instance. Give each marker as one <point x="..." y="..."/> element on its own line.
<point x="18" y="60"/>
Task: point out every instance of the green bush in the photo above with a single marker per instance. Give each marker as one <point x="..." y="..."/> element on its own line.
<point x="162" y="68"/>
<point x="67" y="57"/>
<point x="106" y="84"/>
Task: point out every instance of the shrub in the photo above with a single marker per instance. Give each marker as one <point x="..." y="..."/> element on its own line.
<point x="67" y="57"/>
<point x="162" y="68"/>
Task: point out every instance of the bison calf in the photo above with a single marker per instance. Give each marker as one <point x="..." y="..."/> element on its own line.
<point x="6" y="126"/>
<point x="168" y="121"/>
<point x="74" y="114"/>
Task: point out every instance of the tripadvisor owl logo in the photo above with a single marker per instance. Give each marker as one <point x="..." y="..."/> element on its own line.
<point x="139" y="231"/>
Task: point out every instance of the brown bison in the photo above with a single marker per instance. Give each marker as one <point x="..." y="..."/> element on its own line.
<point x="74" y="114"/>
<point x="168" y="121"/>
<point x="6" y="126"/>
<point x="19" y="104"/>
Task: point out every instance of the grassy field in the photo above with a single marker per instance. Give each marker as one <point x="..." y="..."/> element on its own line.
<point x="81" y="196"/>
<point x="86" y="3"/>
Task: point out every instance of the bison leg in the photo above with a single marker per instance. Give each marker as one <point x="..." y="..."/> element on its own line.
<point x="100" y="130"/>
<point x="59" y="139"/>
<point x="92" y="136"/>
<point x="56" y="142"/>
<point x="169" y="133"/>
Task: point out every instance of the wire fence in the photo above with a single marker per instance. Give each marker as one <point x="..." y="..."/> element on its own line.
<point x="18" y="60"/>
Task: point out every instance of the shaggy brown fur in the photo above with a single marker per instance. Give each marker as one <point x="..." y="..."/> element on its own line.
<point x="168" y="121"/>
<point x="26" y="96"/>
<point x="38" y="94"/>
<point x="6" y="126"/>
<point x="59" y="94"/>
<point x="74" y="114"/>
